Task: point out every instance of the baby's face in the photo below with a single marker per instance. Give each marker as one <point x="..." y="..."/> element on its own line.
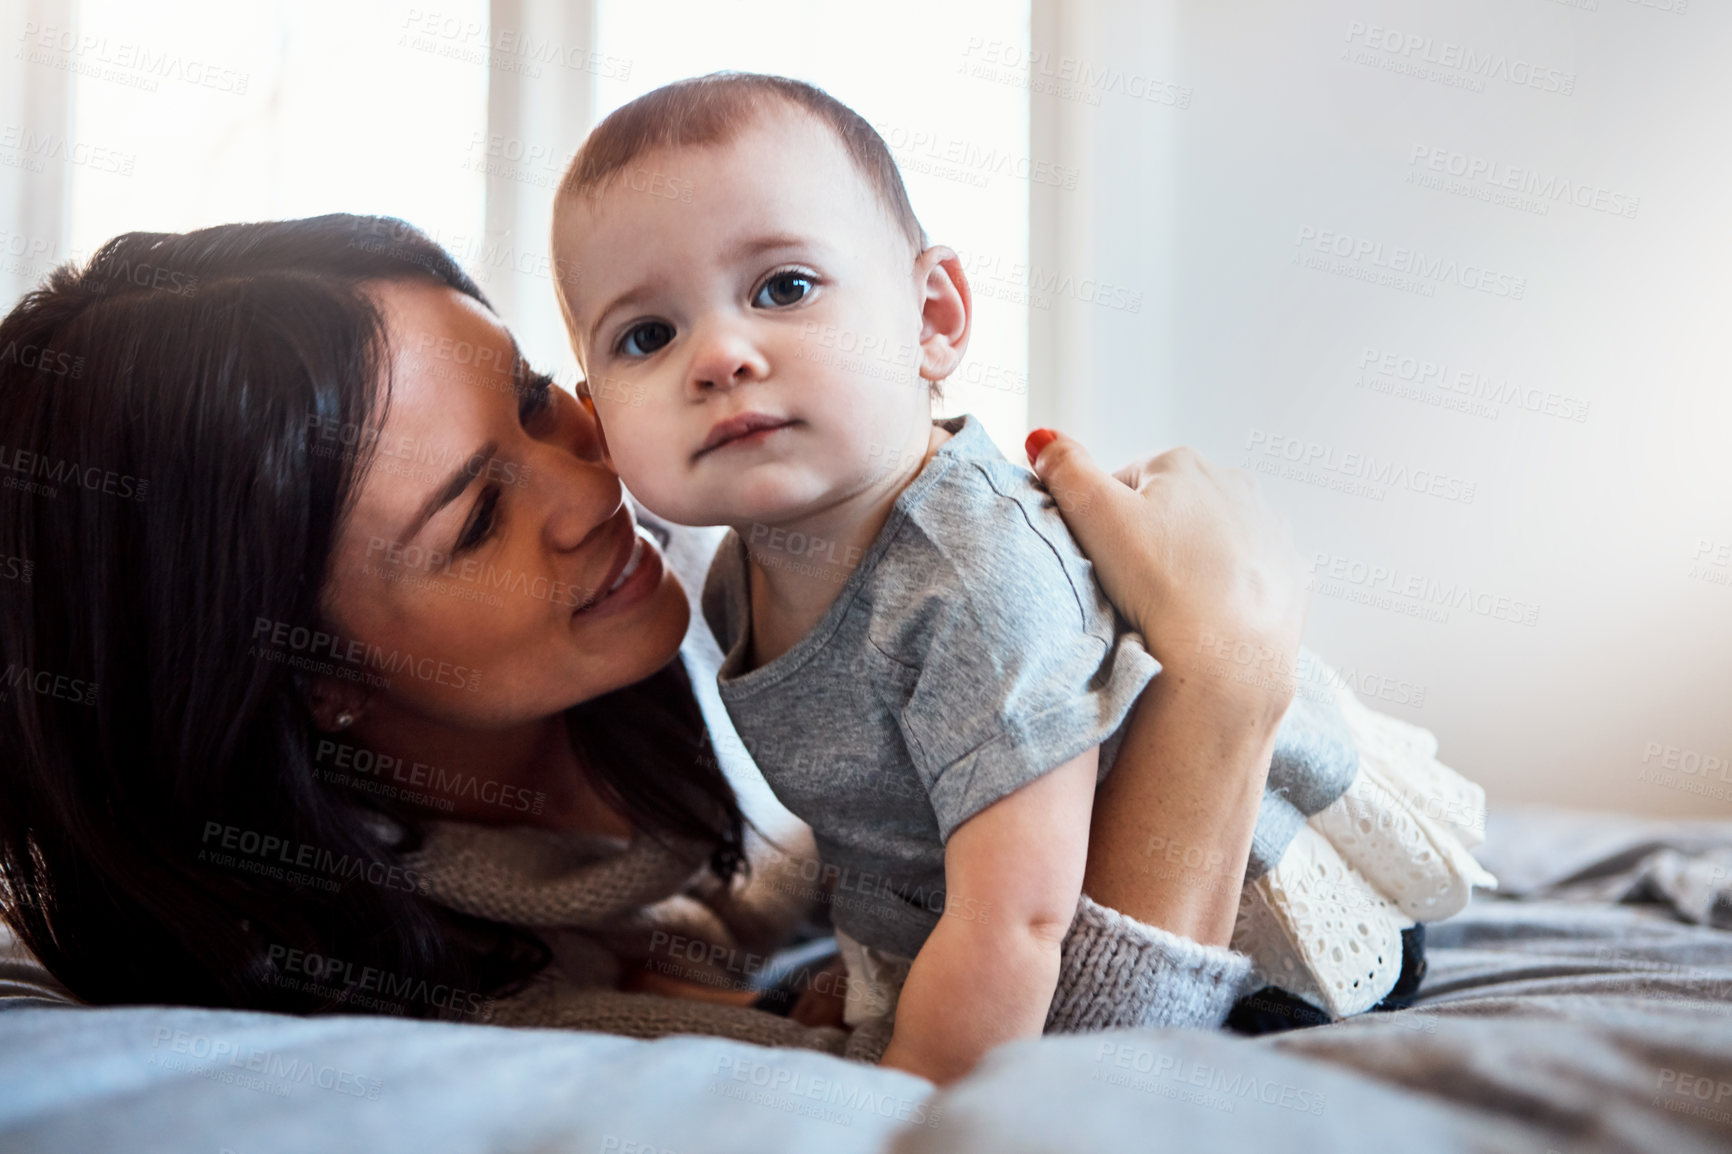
<point x="749" y="321"/>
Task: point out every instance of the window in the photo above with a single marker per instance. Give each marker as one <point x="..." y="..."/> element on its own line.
<point x="184" y="113"/>
<point x="267" y="110"/>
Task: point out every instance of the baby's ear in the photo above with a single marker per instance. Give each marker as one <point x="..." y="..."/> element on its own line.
<point x="586" y="399"/>
<point x="946" y="311"/>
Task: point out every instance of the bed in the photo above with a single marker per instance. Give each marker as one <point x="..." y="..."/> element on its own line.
<point x="1586" y="1007"/>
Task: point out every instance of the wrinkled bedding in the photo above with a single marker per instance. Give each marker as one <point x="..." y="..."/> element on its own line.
<point x="1591" y="1011"/>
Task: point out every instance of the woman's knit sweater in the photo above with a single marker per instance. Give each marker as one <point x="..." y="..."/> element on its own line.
<point x="607" y="907"/>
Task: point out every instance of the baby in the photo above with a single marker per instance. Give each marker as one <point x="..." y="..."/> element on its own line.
<point x="917" y="655"/>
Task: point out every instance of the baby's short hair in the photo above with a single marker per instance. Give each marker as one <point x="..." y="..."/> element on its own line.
<point x="713" y="110"/>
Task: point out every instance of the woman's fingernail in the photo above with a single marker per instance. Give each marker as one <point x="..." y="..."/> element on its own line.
<point x="1038" y="440"/>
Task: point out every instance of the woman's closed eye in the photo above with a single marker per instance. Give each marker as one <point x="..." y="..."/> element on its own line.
<point x="483" y="520"/>
<point x="535" y="398"/>
<point x="784" y="288"/>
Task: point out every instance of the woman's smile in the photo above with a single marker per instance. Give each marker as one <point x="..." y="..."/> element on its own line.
<point x="632" y="579"/>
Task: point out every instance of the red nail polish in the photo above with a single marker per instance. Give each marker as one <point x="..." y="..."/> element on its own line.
<point x="1038" y="440"/>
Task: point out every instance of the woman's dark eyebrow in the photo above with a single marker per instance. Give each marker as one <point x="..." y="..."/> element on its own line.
<point x="450" y="490"/>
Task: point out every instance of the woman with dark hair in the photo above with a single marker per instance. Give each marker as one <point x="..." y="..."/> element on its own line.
<point x="346" y="678"/>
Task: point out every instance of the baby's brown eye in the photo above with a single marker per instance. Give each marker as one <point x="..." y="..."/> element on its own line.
<point x="784" y="289"/>
<point x="645" y="338"/>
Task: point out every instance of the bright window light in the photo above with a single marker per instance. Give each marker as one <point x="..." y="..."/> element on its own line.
<point x="223" y="112"/>
<point x="271" y="110"/>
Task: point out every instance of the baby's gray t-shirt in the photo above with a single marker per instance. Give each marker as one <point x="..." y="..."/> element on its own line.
<point x="969" y="652"/>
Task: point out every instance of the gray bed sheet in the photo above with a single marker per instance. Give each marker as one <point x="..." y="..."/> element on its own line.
<point x="1557" y="1021"/>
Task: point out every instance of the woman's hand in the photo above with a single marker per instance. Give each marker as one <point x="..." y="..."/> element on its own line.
<point x="1208" y="574"/>
<point x="1192" y="557"/>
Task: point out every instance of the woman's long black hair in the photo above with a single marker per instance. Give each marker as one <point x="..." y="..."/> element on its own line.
<point x="160" y="494"/>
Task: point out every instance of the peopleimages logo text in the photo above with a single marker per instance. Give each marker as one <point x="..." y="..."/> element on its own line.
<point x="1360" y="467"/>
<point x="1410" y="262"/>
<point x="1481" y="65"/>
<point x="299" y="641"/>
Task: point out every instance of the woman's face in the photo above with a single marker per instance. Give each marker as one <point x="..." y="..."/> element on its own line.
<point x="479" y="573"/>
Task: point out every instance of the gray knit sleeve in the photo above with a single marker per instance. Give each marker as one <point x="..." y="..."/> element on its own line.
<point x="1116" y="972"/>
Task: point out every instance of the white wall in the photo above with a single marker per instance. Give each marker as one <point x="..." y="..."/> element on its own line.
<point x="1290" y="130"/>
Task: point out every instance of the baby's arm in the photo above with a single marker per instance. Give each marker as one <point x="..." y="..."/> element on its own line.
<point x="1012" y="876"/>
